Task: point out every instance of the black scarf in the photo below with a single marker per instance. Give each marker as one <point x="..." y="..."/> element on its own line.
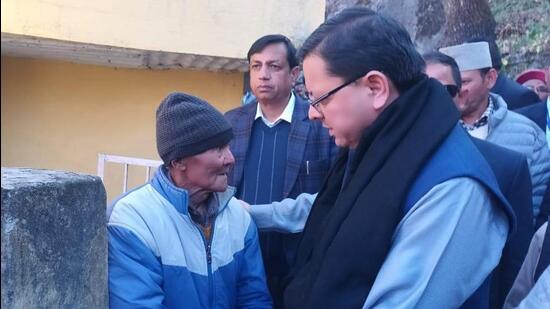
<point x="348" y="233"/>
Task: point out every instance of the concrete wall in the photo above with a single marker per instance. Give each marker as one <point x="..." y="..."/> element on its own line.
<point x="54" y="240"/>
<point x="215" y="28"/>
<point x="58" y="115"/>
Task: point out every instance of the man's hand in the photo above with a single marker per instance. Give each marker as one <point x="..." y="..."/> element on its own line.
<point x="245" y="205"/>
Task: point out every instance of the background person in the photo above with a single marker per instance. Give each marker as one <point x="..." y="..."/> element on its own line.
<point x="279" y="152"/>
<point x="535" y="80"/>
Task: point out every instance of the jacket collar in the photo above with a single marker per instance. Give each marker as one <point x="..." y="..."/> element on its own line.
<point x="286" y="115"/>
<point x="499" y="112"/>
<point x="179" y="197"/>
<point x="299" y="132"/>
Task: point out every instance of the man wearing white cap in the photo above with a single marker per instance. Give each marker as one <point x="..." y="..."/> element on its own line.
<point x="485" y="115"/>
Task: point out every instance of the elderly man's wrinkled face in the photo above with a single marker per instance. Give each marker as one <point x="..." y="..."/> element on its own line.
<point x="539" y="87"/>
<point x="208" y="170"/>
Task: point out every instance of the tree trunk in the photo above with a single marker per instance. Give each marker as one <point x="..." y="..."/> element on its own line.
<point x="520" y="27"/>
<point x="467" y="20"/>
<point x="431" y="23"/>
<point x="335" y="6"/>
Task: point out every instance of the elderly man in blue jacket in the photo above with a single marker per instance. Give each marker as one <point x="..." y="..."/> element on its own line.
<point x="182" y="240"/>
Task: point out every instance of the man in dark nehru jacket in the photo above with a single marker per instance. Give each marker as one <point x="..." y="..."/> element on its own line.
<point x="410" y="215"/>
<point x="512" y="173"/>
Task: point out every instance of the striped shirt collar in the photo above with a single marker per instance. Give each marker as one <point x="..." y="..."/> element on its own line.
<point x="286" y="115"/>
<point x="483" y="120"/>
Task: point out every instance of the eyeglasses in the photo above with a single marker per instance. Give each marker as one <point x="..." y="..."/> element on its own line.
<point x="452" y="90"/>
<point x="537" y="89"/>
<point x="315" y="103"/>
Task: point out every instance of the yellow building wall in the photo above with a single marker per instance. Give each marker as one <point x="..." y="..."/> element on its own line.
<point x="214" y="27"/>
<point x="59" y="115"/>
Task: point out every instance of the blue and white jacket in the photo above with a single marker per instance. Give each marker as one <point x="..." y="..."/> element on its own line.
<point x="159" y="258"/>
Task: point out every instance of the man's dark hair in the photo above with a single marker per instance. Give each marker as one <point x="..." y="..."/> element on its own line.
<point x="493" y="50"/>
<point x="441" y="58"/>
<point x="358" y="40"/>
<point x="270" y="39"/>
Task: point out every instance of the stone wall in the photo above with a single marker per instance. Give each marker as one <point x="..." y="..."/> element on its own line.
<point x="54" y="242"/>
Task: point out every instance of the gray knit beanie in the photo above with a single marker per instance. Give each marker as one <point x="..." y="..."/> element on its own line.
<point x="187" y="125"/>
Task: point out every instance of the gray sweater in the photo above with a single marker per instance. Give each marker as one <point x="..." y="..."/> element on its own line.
<point x="516" y="132"/>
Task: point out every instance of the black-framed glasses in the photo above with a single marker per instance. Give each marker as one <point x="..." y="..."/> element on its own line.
<point x="315" y="103"/>
<point x="538" y="89"/>
<point x="452" y="90"/>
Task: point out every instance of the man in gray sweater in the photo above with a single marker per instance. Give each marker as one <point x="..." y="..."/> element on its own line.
<point x="485" y="115"/>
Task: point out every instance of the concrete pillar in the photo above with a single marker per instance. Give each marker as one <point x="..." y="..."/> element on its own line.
<point x="54" y="241"/>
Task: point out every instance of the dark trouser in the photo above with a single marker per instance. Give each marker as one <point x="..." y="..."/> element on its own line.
<point x="278" y="252"/>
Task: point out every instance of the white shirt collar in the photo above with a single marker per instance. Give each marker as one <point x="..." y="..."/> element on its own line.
<point x="480" y="132"/>
<point x="286" y="115"/>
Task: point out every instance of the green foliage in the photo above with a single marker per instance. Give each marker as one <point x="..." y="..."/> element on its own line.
<point x="523" y="31"/>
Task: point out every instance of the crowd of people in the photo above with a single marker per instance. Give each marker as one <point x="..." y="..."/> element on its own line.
<point x="359" y="174"/>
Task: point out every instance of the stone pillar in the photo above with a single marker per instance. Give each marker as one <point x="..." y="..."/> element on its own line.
<point x="54" y="241"/>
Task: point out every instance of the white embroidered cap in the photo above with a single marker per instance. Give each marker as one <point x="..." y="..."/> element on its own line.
<point x="470" y="56"/>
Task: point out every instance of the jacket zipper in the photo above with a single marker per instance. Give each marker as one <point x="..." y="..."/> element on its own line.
<point x="208" y="249"/>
